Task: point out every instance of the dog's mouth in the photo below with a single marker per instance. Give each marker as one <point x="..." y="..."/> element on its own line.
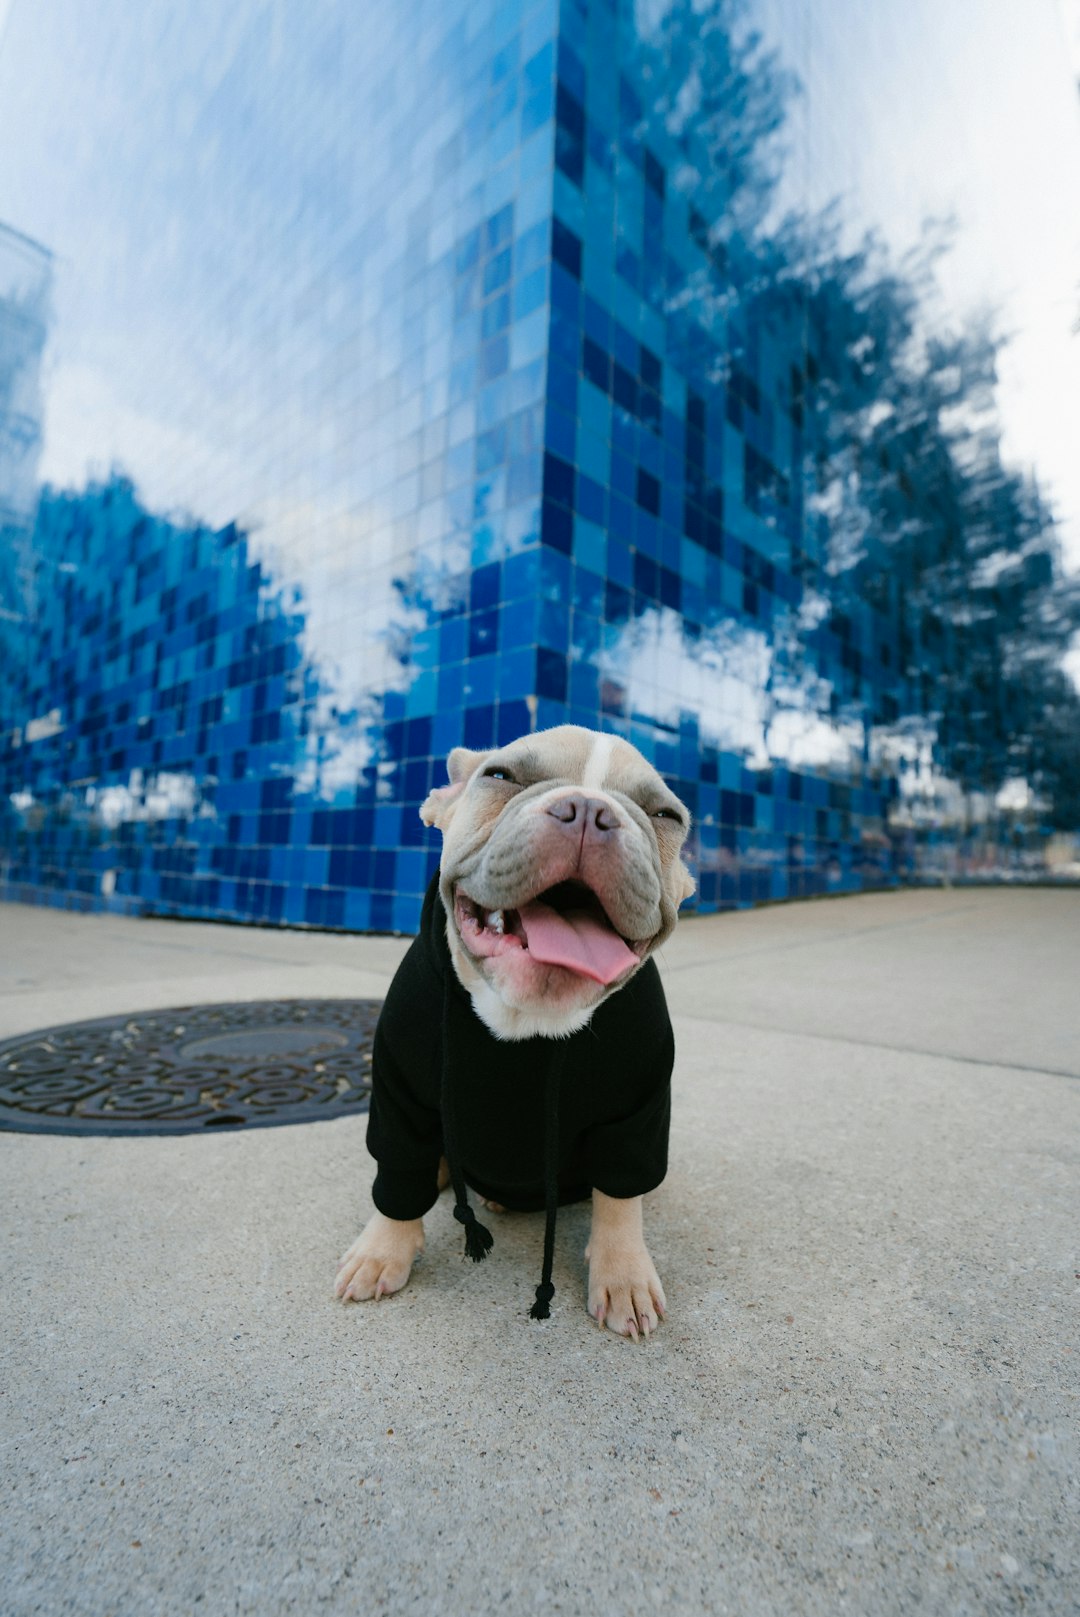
<point x="565" y="925"/>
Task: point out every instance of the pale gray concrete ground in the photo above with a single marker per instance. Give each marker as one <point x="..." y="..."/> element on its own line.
<point x="865" y="1398"/>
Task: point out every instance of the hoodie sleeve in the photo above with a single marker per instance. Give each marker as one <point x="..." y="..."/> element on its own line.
<point x="404" y="1132"/>
<point x="628" y="1155"/>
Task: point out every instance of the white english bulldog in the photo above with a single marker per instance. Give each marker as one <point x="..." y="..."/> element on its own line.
<point x="561" y="875"/>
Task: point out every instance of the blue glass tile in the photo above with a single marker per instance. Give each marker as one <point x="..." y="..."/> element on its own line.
<point x="481" y="679"/>
<point x="451" y="686"/>
<point x="382" y="912"/>
<point x="558" y="480"/>
<point x="598" y="324"/>
<point x="590" y="540"/>
<point x="484" y="633"/>
<point x="566" y="250"/>
<point x="483" y="591"/>
<point x="537" y="108"/>
<point x="518" y="621"/>
<point x="571" y="70"/>
<point x="620" y="567"/>
<point x="494" y="359"/>
<point x="551" y="680"/>
<point x="480" y="726"/>
<point x="557" y="527"/>
<point x="453" y="632"/>
<point x="554" y="624"/>
<point x="588" y="592"/>
<point x="316" y="864"/>
<point x="562" y="385"/>
<point x="447" y="730"/>
<point x="528" y="342"/>
<point x="559" y="433"/>
<point x="618" y="602"/>
<point x="566" y="301"/>
<point x="357" y="914"/>
<point x="516" y="670"/>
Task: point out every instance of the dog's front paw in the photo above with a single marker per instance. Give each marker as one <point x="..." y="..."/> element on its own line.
<point x="625" y="1293"/>
<point x="380" y="1261"/>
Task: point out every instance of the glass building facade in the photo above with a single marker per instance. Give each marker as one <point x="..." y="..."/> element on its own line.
<point x="431" y="373"/>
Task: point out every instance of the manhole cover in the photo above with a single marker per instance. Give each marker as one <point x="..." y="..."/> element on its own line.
<point x="201" y="1067"/>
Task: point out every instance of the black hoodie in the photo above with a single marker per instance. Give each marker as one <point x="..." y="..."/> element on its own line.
<point x="614" y="1090"/>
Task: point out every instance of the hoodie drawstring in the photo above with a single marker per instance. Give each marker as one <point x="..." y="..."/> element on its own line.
<point x="545" y="1291"/>
<point x="478" y="1239"/>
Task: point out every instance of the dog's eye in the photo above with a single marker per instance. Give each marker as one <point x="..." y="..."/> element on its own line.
<point x="667" y="814"/>
<point x="497" y="772"/>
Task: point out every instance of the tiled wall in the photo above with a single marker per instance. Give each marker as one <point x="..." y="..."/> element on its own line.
<point x="502" y="438"/>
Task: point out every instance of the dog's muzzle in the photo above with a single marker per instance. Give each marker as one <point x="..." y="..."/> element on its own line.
<point x="565" y="925"/>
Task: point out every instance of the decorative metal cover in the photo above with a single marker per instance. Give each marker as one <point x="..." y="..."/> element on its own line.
<point x="199" y="1067"/>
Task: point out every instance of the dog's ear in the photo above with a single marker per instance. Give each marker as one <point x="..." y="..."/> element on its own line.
<point x="686" y="885"/>
<point x="439" y="804"/>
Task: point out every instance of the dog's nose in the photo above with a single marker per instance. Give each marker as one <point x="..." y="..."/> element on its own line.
<point x="592" y="813"/>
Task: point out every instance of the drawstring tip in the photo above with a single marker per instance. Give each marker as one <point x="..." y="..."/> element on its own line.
<point x="540" y="1309"/>
<point x="478" y="1242"/>
<point x="478" y="1239"/>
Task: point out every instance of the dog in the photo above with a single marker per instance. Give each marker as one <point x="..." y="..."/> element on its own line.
<point x="526" y="1029"/>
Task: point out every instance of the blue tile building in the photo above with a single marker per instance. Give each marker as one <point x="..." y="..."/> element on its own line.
<point x="489" y="401"/>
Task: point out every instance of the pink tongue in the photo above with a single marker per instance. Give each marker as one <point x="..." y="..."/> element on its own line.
<point x="577" y="941"/>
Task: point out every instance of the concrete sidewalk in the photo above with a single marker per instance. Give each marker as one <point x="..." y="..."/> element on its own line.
<point x="865" y="1398"/>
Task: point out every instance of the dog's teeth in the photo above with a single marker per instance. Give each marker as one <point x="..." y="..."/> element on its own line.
<point x="496" y="922"/>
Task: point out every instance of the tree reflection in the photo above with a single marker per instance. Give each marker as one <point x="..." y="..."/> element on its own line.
<point x="897" y="499"/>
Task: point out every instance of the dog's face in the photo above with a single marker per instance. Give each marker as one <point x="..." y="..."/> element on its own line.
<point x="561" y="873"/>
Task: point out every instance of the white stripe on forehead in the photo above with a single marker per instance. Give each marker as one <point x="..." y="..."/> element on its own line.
<point x="596" y="765"/>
